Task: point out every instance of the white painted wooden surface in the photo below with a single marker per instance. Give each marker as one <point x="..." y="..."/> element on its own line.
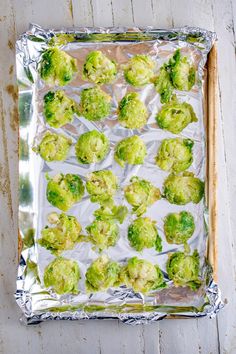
<point x="167" y="337"/>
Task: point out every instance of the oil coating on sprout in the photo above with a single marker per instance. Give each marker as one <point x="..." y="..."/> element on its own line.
<point x="101" y="185"/>
<point x="53" y="147"/>
<point x="95" y="104"/>
<point x="139" y="70"/>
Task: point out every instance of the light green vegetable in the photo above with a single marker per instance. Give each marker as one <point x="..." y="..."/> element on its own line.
<point x="131" y="150"/>
<point x="98" y="68"/>
<point x="139" y="70"/>
<point x="95" y="104"/>
<point x="58" y="108"/>
<point x="111" y="212"/>
<point x="57" y="67"/>
<point x="132" y="112"/>
<point x="103" y="233"/>
<point x="91" y="147"/>
<point x="64" y="190"/>
<point x="142" y="275"/>
<point x="183" y="188"/>
<point x="101" y="185"/>
<point x="102" y="274"/>
<point x="179" y="227"/>
<point x="164" y="85"/>
<point x="61" y="237"/>
<point x="62" y="275"/>
<point x="184" y="269"/>
<point x="175" y="116"/>
<point x="181" y="72"/>
<point x="53" y="147"/>
<point x="142" y="233"/>
<point x="175" y="155"/>
<point x="141" y="194"/>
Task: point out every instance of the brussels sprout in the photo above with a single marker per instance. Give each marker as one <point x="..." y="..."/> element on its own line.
<point x="183" y="188"/>
<point x="141" y="194"/>
<point x="184" y="269"/>
<point x="102" y="274"/>
<point x="131" y="150"/>
<point x="91" y="147"/>
<point x="139" y="70"/>
<point x="64" y="190"/>
<point x="142" y="275"/>
<point x="132" y="112"/>
<point x="103" y="233"/>
<point x="53" y="147"/>
<point x="57" y="67"/>
<point x="181" y="72"/>
<point x="175" y="116"/>
<point x="61" y="237"/>
<point x="112" y="212"/>
<point x="95" y="104"/>
<point x="58" y="108"/>
<point x="179" y="227"/>
<point x="98" y="68"/>
<point x="142" y="233"/>
<point x="101" y="185"/>
<point x="163" y="85"/>
<point x="175" y="155"/>
<point x="62" y="275"/>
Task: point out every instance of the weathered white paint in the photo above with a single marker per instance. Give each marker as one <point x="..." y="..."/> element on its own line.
<point x="166" y="337"/>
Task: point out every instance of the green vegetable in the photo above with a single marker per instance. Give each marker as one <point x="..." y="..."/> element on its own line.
<point x="91" y="147"/>
<point x="101" y="185"/>
<point x="95" y="104"/>
<point x="181" y="72"/>
<point x="184" y="269"/>
<point x="142" y="275"/>
<point x="103" y="233"/>
<point x="132" y="112"/>
<point x="175" y="116"/>
<point x="64" y="190"/>
<point x="142" y="233"/>
<point x="131" y="150"/>
<point x="58" y="108"/>
<point x="164" y="85"/>
<point x="141" y="194"/>
<point x="98" y="68"/>
<point x="61" y="237"/>
<point x="183" y="188"/>
<point x="112" y="213"/>
<point x="62" y="275"/>
<point x="175" y="155"/>
<point x="102" y="274"/>
<point x="179" y="227"/>
<point x="57" y="67"/>
<point x="139" y="70"/>
<point x="53" y="147"/>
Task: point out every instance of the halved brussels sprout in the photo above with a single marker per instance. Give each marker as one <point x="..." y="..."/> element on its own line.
<point x="164" y="85"/>
<point x="95" y="104"/>
<point x="111" y="212"/>
<point x="58" y="108"/>
<point x="179" y="227"/>
<point x="131" y="150"/>
<point x="141" y="194"/>
<point x="182" y="74"/>
<point x="142" y="233"/>
<point x="98" y="68"/>
<point x="175" y="155"/>
<point x="61" y="237"/>
<point x="103" y="233"/>
<point x="91" y="147"/>
<point x="62" y="275"/>
<point x="57" y="67"/>
<point x="101" y="185"/>
<point x="184" y="269"/>
<point x="175" y="116"/>
<point x="64" y="190"/>
<point x="102" y="274"/>
<point x="142" y="275"/>
<point x="132" y="112"/>
<point x="53" y="147"/>
<point x="139" y="70"/>
<point x="183" y="188"/>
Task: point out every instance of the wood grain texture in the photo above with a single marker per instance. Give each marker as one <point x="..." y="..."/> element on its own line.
<point x="166" y="337"/>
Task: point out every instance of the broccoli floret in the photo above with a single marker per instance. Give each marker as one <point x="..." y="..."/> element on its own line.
<point x="131" y="150"/>
<point x="103" y="233"/>
<point x="57" y="67"/>
<point x="64" y="190"/>
<point x="111" y="212"/>
<point x="179" y="227"/>
<point x="95" y="104"/>
<point x="101" y="185"/>
<point x="98" y="68"/>
<point x="139" y="70"/>
<point x="53" y="147"/>
<point x="132" y="112"/>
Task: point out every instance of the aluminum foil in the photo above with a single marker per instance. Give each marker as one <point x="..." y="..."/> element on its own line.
<point x="40" y="304"/>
